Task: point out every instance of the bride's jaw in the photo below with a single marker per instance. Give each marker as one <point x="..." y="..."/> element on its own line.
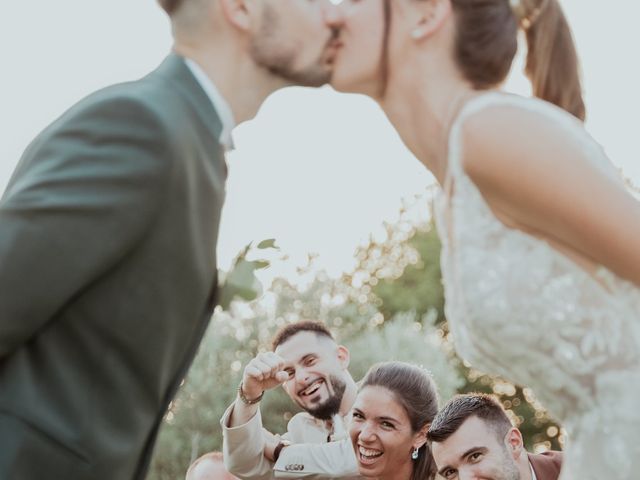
<point x="348" y="78"/>
<point x="358" y="66"/>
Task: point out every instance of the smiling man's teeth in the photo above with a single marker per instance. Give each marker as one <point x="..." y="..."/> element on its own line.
<point x="312" y="388"/>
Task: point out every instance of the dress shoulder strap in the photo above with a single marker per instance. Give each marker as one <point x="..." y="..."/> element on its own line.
<point x="472" y="106"/>
<point x="560" y="118"/>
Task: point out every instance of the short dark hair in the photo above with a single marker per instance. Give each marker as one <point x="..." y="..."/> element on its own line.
<point x="288" y="331"/>
<point x="462" y="407"/>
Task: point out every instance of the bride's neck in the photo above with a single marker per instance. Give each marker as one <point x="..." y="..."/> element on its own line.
<point x="421" y="110"/>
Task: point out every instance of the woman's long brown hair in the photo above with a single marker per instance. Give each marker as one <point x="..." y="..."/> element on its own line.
<point x="487" y="40"/>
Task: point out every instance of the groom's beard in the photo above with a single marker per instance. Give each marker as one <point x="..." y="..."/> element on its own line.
<point x="331" y="406"/>
<point x="278" y="57"/>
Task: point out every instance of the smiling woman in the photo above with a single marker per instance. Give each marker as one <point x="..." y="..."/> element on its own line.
<point x="393" y="410"/>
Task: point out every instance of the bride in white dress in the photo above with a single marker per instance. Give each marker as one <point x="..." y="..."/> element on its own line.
<point x="541" y="239"/>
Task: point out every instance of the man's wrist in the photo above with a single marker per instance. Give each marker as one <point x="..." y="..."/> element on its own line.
<point x="248" y="401"/>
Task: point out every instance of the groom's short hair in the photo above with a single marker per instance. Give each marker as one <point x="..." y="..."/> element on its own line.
<point x="170" y="6"/>
<point x="173" y="6"/>
<point x="462" y="407"/>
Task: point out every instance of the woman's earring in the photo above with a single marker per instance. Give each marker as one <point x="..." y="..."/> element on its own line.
<point x="414" y="454"/>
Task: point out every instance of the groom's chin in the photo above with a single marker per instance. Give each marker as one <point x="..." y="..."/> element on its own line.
<point x="312" y="77"/>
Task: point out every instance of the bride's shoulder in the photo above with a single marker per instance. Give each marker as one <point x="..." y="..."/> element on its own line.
<point x="523" y="154"/>
<point x="505" y="135"/>
<point x="515" y="112"/>
<point x="483" y="99"/>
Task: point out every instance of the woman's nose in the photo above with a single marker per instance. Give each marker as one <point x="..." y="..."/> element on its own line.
<point x="367" y="432"/>
<point x="334" y="15"/>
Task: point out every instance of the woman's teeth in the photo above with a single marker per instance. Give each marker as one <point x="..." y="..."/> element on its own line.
<point x="367" y="455"/>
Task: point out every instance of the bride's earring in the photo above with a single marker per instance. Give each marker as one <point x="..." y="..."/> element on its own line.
<point x="414" y="454"/>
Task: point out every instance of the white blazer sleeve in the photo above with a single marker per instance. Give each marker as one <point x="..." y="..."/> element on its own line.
<point x="243" y="448"/>
<point x="317" y="461"/>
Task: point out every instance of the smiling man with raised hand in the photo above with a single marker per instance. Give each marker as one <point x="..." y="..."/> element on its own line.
<point x="313" y="370"/>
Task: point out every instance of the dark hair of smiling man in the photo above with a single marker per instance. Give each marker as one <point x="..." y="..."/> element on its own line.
<point x="288" y="331"/>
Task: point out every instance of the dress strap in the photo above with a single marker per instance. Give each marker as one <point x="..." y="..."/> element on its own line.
<point x="455" y="147"/>
<point x="559" y="117"/>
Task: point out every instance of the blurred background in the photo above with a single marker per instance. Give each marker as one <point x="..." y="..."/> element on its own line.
<point x="324" y="175"/>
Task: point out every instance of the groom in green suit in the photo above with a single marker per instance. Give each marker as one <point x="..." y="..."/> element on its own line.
<point x="108" y="233"/>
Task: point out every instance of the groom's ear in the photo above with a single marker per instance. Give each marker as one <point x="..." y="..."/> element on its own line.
<point x="237" y="13"/>
<point x="432" y="14"/>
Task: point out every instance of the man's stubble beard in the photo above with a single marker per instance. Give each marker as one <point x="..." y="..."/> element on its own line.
<point x="279" y="59"/>
<point x="509" y="468"/>
<point x="331" y="406"/>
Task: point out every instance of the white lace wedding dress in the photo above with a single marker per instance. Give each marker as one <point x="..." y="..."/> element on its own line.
<point x="521" y="309"/>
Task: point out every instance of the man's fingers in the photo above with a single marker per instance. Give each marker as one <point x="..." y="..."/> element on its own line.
<point x="268" y="362"/>
<point x="254" y="373"/>
<point x="265" y="367"/>
<point x="274" y="361"/>
<point x="260" y="371"/>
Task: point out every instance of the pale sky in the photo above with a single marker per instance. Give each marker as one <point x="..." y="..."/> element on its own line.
<point x="317" y="170"/>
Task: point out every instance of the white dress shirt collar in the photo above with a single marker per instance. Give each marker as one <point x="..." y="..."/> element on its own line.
<point x="533" y="474"/>
<point x="219" y="103"/>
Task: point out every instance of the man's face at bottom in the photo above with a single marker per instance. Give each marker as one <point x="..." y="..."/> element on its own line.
<point x="209" y="469"/>
<point x="316" y="367"/>
<point x="474" y="451"/>
<point x="296" y="40"/>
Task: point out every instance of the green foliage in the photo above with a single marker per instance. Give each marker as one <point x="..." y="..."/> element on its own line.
<point x="408" y="339"/>
<point x="241" y="282"/>
<point x="270" y="243"/>
<point x="419" y="288"/>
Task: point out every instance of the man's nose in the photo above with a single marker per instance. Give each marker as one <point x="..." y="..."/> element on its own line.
<point x="467" y="474"/>
<point x="301" y="376"/>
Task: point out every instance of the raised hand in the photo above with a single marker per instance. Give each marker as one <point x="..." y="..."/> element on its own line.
<point x="263" y="373"/>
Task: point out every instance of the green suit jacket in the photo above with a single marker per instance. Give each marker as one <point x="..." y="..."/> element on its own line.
<point x="108" y="231"/>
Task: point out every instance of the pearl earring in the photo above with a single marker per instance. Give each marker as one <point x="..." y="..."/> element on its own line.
<point x="414" y="454"/>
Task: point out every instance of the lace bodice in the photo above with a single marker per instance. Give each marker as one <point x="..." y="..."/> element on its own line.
<point x="519" y="308"/>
